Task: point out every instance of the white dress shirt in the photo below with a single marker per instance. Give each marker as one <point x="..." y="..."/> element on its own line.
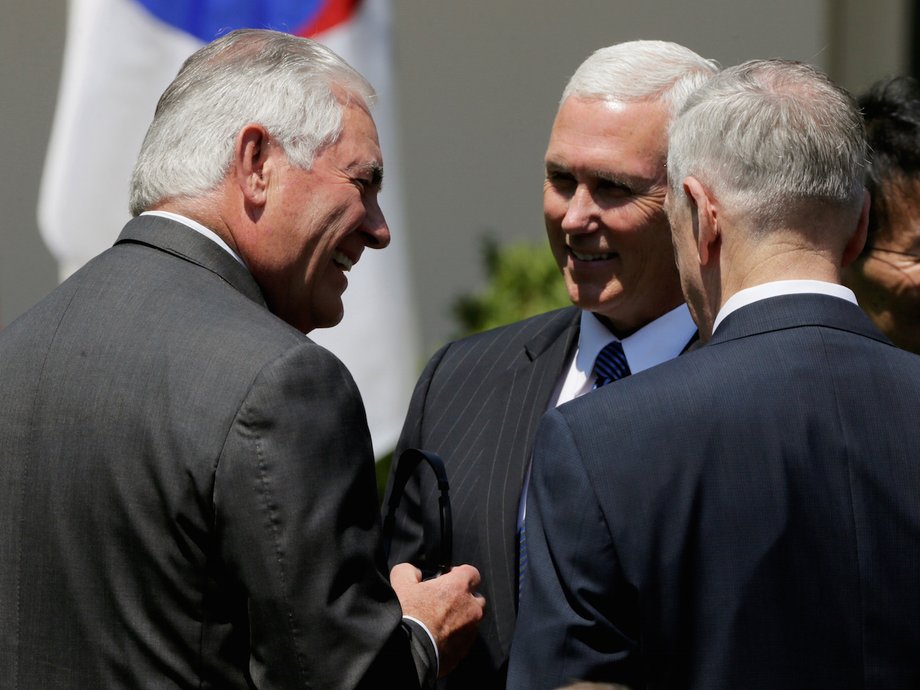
<point x="656" y="342"/>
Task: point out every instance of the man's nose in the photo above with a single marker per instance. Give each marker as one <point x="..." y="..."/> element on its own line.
<point x="582" y="214"/>
<point x="375" y="227"/>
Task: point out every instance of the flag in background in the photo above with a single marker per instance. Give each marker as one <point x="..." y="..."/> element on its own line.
<point x="120" y="56"/>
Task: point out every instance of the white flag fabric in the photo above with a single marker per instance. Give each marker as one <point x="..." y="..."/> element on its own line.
<point x="120" y="56"/>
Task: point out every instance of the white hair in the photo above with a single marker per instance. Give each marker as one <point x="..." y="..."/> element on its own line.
<point x="641" y="71"/>
<point x="767" y="136"/>
<point x="294" y="87"/>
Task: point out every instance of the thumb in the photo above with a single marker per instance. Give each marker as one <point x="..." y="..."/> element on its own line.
<point x="404" y="574"/>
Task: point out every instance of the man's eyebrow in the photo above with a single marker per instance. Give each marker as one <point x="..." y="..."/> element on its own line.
<point x="630" y="181"/>
<point x="620" y="179"/>
<point x="374" y="169"/>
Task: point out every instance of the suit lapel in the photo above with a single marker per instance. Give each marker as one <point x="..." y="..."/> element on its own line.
<point x="173" y="237"/>
<point x="548" y="353"/>
<point x="530" y="384"/>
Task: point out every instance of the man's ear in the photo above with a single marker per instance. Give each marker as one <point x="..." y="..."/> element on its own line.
<point x="251" y="163"/>
<point x="706" y="225"/>
<point x="856" y="243"/>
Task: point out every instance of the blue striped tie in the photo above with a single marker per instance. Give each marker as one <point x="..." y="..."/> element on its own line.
<point x="610" y="364"/>
<point x="522" y="559"/>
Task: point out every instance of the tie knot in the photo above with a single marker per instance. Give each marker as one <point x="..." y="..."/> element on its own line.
<point x="610" y="364"/>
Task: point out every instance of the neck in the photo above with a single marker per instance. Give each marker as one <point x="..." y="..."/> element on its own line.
<point x="788" y="257"/>
<point x="202" y="212"/>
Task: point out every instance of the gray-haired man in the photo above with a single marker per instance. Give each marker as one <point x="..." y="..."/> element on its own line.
<point x="479" y="399"/>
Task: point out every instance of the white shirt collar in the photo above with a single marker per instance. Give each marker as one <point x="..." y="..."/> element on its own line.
<point x="742" y="298"/>
<point x="656" y="342"/>
<point x="197" y="227"/>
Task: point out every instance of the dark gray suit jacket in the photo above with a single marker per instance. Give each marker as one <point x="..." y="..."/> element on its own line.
<point x="187" y="493"/>
<point x="745" y="516"/>
<point x="477" y="404"/>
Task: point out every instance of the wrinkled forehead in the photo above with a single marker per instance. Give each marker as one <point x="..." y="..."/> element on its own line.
<point x="605" y="135"/>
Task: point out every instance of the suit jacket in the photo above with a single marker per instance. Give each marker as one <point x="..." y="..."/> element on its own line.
<point x="477" y="404"/>
<point x="186" y="489"/>
<point x="745" y="516"/>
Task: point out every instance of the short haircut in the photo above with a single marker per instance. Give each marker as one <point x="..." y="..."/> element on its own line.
<point x="641" y="71"/>
<point x="891" y="110"/>
<point x="769" y="136"/>
<point x="295" y="87"/>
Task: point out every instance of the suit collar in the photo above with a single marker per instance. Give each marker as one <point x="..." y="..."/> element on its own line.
<point x="173" y="237"/>
<point x="776" y="288"/>
<point x="795" y="311"/>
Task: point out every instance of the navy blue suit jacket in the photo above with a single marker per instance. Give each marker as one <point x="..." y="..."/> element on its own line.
<point x="745" y="516"/>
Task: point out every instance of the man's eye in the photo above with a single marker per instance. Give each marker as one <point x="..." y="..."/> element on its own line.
<point x="612" y="188"/>
<point x="559" y="179"/>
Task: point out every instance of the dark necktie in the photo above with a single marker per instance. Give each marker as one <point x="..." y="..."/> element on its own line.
<point x="610" y="364"/>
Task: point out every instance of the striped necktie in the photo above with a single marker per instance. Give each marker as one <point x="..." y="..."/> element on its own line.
<point x="610" y="364"/>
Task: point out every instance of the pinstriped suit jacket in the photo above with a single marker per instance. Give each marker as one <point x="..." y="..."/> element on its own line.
<point x="477" y="404"/>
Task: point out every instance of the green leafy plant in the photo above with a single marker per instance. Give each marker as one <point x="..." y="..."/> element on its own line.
<point x="522" y="280"/>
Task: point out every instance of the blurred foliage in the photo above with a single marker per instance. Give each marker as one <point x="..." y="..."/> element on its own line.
<point x="522" y="280"/>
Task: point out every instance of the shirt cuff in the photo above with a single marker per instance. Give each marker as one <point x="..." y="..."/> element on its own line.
<point x="437" y="656"/>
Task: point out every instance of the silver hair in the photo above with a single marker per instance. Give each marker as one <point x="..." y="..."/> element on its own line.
<point x="767" y="136"/>
<point x="296" y="88"/>
<point x="641" y="71"/>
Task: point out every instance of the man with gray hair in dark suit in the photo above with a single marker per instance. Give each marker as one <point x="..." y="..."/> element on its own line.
<point x="479" y="399"/>
<point x="187" y="488"/>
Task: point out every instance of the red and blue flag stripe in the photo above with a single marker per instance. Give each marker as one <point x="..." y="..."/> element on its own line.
<point x="208" y="19"/>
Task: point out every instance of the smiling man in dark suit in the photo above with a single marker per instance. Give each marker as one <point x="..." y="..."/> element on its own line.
<point x="748" y="515"/>
<point x="187" y="492"/>
<point x="479" y="399"/>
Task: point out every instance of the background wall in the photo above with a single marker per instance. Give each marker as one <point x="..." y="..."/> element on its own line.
<point x="478" y="83"/>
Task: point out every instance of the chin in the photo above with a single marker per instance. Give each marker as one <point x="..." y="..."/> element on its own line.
<point x="328" y="320"/>
<point x="598" y="299"/>
<point x="307" y="323"/>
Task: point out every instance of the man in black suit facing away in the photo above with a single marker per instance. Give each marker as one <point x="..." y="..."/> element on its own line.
<point x="748" y="515"/>
<point x="479" y="399"/>
<point x="187" y="494"/>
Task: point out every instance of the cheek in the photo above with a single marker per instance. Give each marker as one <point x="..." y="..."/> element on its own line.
<point x="554" y="206"/>
<point x="554" y="235"/>
<point x="882" y="280"/>
<point x="647" y="239"/>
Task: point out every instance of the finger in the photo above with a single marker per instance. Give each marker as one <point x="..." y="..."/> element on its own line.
<point x="405" y="574"/>
<point x="470" y="574"/>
